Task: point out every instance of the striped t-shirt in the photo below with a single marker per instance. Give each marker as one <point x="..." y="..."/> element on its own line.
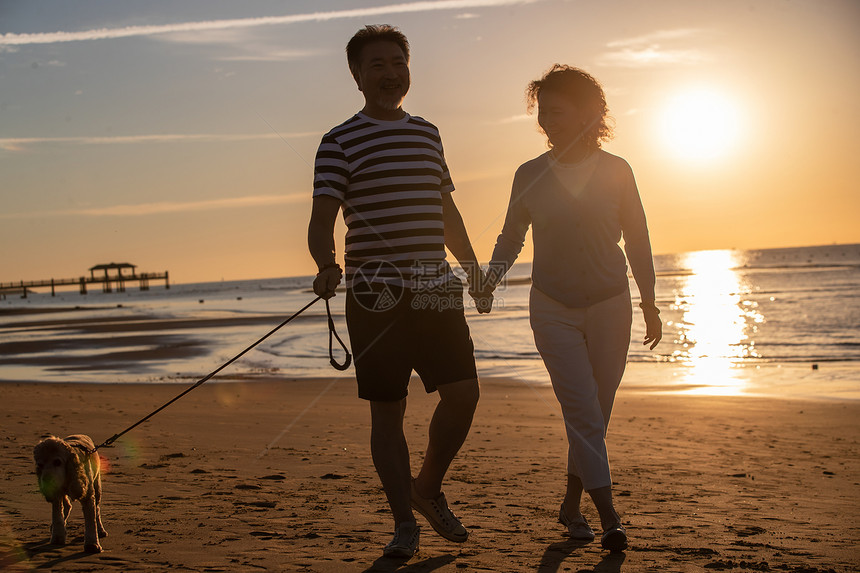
<point x="390" y="176"/>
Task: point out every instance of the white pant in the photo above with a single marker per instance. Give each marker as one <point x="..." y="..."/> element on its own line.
<point x="585" y="352"/>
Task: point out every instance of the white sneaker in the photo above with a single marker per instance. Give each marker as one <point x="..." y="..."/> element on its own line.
<point x="405" y="542"/>
<point x="439" y="516"/>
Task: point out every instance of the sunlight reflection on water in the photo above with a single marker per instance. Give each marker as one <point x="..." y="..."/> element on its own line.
<point x="715" y="325"/>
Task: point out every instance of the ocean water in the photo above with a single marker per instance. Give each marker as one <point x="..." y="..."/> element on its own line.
<point x="757" y="321"/>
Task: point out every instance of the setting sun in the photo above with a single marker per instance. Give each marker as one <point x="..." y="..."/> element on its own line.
<point x="700" y="124"/>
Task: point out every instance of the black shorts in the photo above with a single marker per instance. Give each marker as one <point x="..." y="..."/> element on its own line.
<point x="394" y="331"/>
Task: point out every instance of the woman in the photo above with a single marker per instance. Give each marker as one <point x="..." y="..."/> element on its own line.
<point x="580" y="202"/>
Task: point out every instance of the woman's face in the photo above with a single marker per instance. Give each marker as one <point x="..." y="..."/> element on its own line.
<point x="561" y="120"/>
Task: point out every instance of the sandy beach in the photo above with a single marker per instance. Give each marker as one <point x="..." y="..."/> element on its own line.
<point x="276" y="475"/>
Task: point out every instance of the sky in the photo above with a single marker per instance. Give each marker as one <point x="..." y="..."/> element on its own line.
<point x="180" y="136"/>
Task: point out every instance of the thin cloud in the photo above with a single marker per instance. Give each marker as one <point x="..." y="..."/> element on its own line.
<point x="654" y="37"/>
<point x="652" y="56"/>
<point x="206" y="37"/>
<point x="269" y="56"/>
<point x="246" y="41"/>
<point x="650" y="50"/>
<point x="22" y="143"/>
<point x="167" y="207"/>
<point x="513" y="119"/>
<point x="12" y="39"/>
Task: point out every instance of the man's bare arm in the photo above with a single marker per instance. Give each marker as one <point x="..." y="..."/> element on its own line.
<point x="321" y="245"/>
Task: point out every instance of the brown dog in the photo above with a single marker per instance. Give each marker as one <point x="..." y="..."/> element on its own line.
<point x="68" y="470"/>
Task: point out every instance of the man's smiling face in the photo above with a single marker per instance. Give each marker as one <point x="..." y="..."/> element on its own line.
<point x="383" y="78"/>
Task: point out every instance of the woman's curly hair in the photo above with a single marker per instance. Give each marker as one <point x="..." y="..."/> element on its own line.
<point x="584" y="91"/>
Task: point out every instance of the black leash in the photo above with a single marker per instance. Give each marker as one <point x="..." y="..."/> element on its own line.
<point x="332" y="333"/>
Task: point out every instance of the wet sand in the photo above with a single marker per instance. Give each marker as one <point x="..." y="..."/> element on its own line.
<point x="276" y="475"/>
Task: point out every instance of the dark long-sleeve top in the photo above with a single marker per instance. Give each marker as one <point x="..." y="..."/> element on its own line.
<point x="577" y="230"/>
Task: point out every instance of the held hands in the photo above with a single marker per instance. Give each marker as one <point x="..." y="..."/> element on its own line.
<point x="653" y="324"/>
<point x="481" y="290"/>
<point x="483" y="299"/>
<point x="327" y="280"/>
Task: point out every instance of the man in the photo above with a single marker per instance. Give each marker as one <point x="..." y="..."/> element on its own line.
<point x="404" y="310"/>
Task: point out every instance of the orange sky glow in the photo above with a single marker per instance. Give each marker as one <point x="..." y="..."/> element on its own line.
<point x="185" y="141"/>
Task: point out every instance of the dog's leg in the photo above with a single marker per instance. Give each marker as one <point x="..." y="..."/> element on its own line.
<point x="98" y="493"/>
<point x="91" y="536"/>
<point x="67" y="508"/>
<point x="58" y="522"/>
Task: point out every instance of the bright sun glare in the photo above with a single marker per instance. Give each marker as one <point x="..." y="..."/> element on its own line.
<point x="700" y="124"/>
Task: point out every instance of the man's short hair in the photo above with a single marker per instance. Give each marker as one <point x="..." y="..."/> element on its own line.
<point x="368" y="35"/>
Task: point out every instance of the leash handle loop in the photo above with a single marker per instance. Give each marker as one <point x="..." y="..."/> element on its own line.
<point x="332" y="333"/>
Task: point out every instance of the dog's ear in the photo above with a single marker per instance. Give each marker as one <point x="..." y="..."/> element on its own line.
<point x="75" y="477"/>
<point x="45" y="452"/>
<point x="38" y="458"/>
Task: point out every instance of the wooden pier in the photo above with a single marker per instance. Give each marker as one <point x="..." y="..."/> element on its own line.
<point x="112" y="277"/>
